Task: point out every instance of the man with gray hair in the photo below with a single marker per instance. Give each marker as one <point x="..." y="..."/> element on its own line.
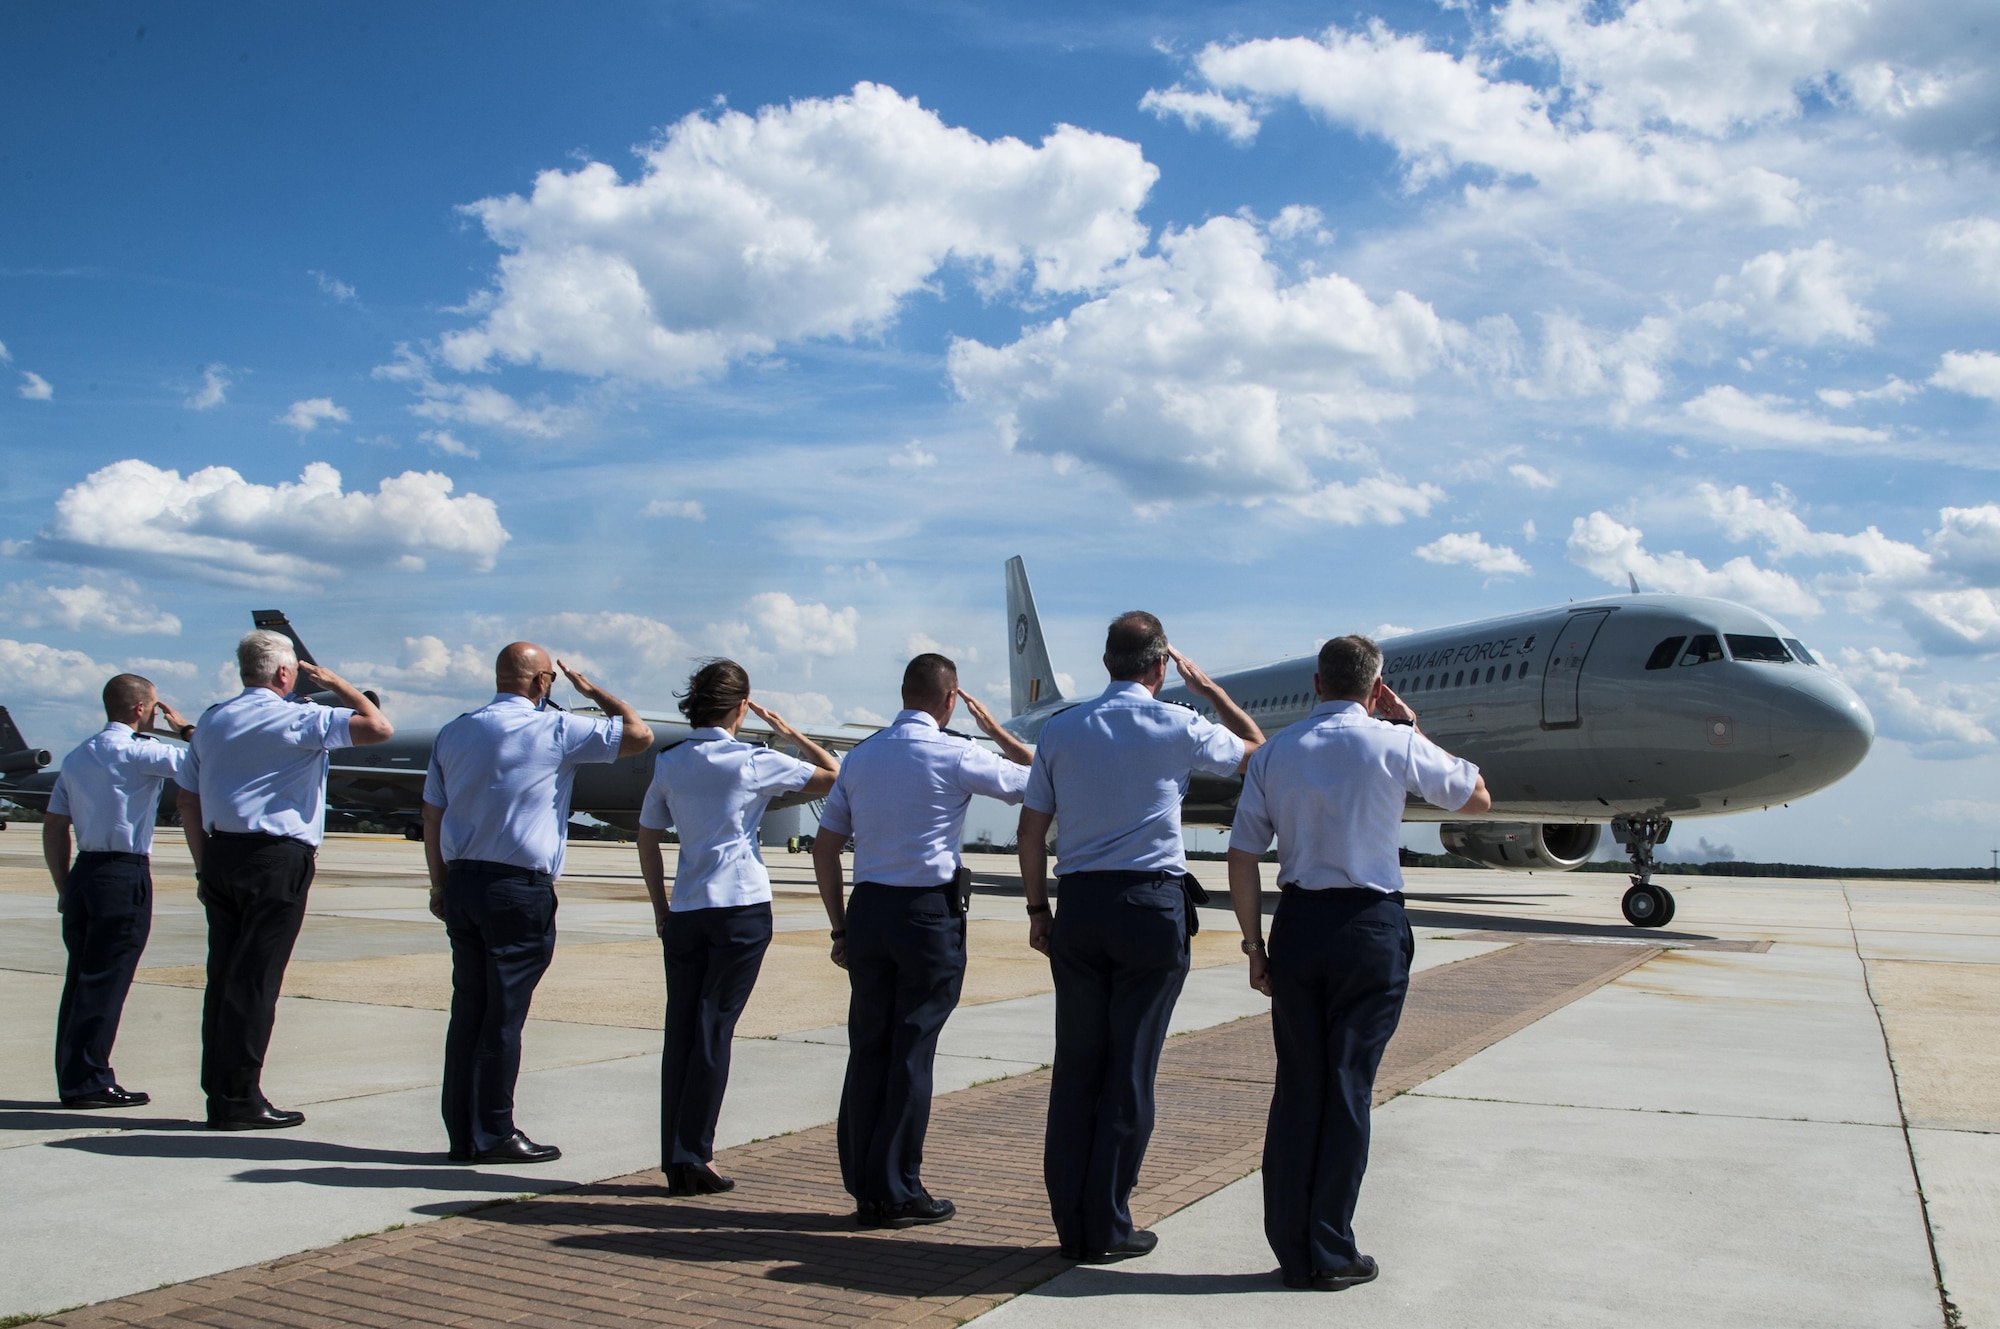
<point x="253" y="807"/>
<point x="1331" y="789"/>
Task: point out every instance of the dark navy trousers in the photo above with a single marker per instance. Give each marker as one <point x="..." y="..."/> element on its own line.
<point x="713" y="956"/>
<point x="905" y="968"/>
<point x="1340" y="968"/>
<point x="254" y="889"/>
<point x="1119" y="953"/>
<point x="502" y="925"/>
<point x="107" y="915"/>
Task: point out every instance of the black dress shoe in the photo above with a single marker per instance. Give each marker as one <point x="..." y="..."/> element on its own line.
<point x="1070" y="1253"/>
<point x="1141" y="1242"/>
<point x="265" y="1118"/>
<point x="1363" y="1270"/>
<point x="462" y="1153"/>
<point x="913" y="1213"/>
<point x="518" y="1148"/>
<point x="109" y="1097"/>
<point x="696" y="1179"/>
<point x="868" y="1213"/>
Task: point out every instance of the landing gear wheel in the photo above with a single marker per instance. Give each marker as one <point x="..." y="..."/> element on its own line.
<point x="1667" y="897"/>
<point x="1648" y="906"/>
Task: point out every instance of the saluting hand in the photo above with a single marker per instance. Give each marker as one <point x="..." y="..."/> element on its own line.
<point x="174" y="719"/>
<point x="980" y="715"/>
<point x="773" y="719"/>
<point x="584" y="686"/>
<point x="1191" y="673"/>
<point x="1386" y="705"/>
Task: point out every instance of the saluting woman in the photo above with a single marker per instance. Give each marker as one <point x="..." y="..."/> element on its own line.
<point x="713" y="788"/>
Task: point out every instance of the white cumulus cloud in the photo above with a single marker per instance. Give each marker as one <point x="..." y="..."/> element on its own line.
<point x="214" y="389"/>
<point x="309" y="414"/>
<point x="1531" y="476"/>
<point x="34" y="387"/>
<point x="1203" y="371"/>
<point x="113" y="606"/>
<point x="1469" y="549"/>
<point x="1977" y="239"/>
<point x="815" y="219"/>
<point x="1975" y="373"/>
<point x="1804" y="296"/>
<point x="686" y="509"/>
<point x="217" y="526"/>
<point x="774" y="624"/>
<point x="35" y="670"/>
<point x="450" y="444"/>
<point x="1196" y="109"/>
<point x="1769" y="420"/>
<point x="1607" y="548"/>
<point x="480" y="404"/>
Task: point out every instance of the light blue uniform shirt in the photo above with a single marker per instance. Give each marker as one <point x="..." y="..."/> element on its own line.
<point x="714" y="789"/>
<point x="1331" y="789"/>
<point x="259" y="764"/>
<point x="902" y="795"/>
<point x="503" y="775"/>
<point x="110" y="789"/>
<point x="1113" y="771"/>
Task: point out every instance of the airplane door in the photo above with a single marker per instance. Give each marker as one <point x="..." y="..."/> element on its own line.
<point x="1562" y="677"/>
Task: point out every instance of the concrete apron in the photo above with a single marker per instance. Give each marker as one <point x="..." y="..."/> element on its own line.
<point x="1712" y="1139"/>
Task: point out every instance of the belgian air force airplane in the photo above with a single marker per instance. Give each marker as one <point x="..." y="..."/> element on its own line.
<point x="1627" y="711"/>
<point x="1630" y="711"/>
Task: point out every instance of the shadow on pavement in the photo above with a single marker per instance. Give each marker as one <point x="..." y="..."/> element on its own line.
<point x="192" y="1140"/>
<point x="1547" y="927"/>
<point x="67" y="1119"/>
<point x="451" y="1177"/>
<point x="1087" y="1282"/>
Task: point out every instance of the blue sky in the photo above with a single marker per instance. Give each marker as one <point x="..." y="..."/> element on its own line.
<point x="774" y="329"/>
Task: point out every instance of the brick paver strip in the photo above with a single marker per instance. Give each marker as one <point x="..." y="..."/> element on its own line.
<point x="781" y="1250"/>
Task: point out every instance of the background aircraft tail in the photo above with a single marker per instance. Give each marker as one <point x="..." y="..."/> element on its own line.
<point x="16" y="757"/>
<point x="274" y="620"/>
<point x="1033" y="680"/>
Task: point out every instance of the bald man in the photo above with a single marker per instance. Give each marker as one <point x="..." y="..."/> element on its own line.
<point x="496" y="813"/>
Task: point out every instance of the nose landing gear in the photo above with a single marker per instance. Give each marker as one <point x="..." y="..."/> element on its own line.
<point x="1645" y="905"/>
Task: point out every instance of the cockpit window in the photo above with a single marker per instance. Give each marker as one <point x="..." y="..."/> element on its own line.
<point x="1799" y="651"/>
<point x="1663" y="654"/>
<point x="1759" y="650"/>
<point x="1702" y="649"/>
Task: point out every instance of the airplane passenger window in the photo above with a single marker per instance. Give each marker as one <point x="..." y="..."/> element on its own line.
<point x="1524" y="667"/>
<point x="1799" y="651"/>
<point x="1489" y="673"/>
<point x="1702" y="649"/>
<point x="1461" y="679"/>
<point x="1430" y="682"/>
<point x="1761" y="650"/>
<point x="1663" y="654"/>
<point x="1506" y="672"/>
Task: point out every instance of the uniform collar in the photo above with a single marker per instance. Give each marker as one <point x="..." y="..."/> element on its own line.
<point x="1123" y="687"/>
<point x="1329" y="708"/>
<point x="921" y="718"/>
<point x="709" y="733"/>
<point x="511" y="699"/>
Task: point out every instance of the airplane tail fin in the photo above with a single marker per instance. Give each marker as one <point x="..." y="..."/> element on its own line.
<point x="274" y="620"/>
<point x="1029" y="671"/>
<point x="16" y="757"/>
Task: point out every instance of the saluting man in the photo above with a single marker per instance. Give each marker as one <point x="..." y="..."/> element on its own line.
<point x="253" y="808"/>
<point x="902" y="795"/>
<point x="496" y="822"/>
<point x="1331" y="789"/>
<point x="1110" y="774"/>
<point x="109" y="790"/>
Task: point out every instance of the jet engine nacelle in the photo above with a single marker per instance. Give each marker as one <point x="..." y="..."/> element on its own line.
<point x="1515" y="846"/>
<point x="25" y="761"/>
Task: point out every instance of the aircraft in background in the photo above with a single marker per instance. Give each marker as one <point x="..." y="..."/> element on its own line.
<point x="1627" y="711"/>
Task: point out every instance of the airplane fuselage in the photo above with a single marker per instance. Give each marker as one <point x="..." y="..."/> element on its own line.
<point x="1568" y="722"/>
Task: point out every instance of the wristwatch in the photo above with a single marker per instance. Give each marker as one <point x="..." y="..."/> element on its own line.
<point x="1253" y="947"/>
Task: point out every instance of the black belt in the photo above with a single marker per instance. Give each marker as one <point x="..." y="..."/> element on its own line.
<point x="1298" y="892"/>
<point x="1120" y="878"/>
<point x="957" y="892"/>
<point x="257" y="837"/>
<point x="115" y="855"/>
<point x="488" y="868"/>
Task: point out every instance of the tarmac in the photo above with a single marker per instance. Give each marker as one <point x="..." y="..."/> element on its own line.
<point x="1733" y="1131"/>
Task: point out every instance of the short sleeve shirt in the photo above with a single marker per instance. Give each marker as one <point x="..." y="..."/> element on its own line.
<point x="110" y="786"/>
<point x="1113" y="772"/>
<point x="259" y="764"/>
<point x="503" y="776"/>
<point x="1331" y="790"/>
<point x="902" y="794"/>
<point x="713" y="789"/>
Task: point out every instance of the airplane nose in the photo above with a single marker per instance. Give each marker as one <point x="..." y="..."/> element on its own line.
<point x="1820" y="723"/>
